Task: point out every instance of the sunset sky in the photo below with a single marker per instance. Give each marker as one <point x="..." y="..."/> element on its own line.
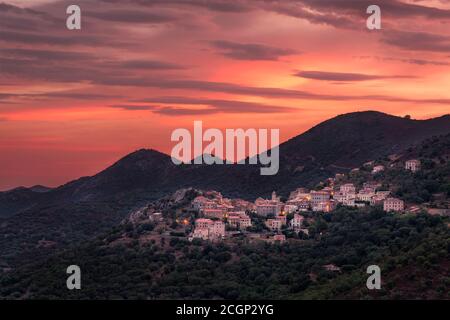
<point x="74" y="102"/>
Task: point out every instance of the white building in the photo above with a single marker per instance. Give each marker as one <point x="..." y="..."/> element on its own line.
<point x="201" y="202"/>
<point x="268" y="207"/>
<point x="379" y="197"/>
<point x="413" y="165"/>
<point x="203" y="223"/>
<point x="208" y="229"/>
<point x="347" y="199"/>
<point x="393" y="204"/>
<point x="213" y="213"/>
<point x="348" y="188"/>
<point x="281" y="218"/>
<point x="274" y="224"/>
<point x="239" y="220"/>
<point x="365" y="194"/>
<point x="377" y="169"/>
<point x="217" y="230"/>
<point x="304" y="205"/>
<point x="199" y="233"/>
<point x="245" y="222"/>
<point x="233" y="220"/>
<point x="319" y="197"/>
<point x="296" y="222"/>
<point x="289" y="208"/>
<point x="325" y="206"/>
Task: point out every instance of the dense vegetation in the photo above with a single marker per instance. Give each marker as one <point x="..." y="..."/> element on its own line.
<point x="432" y="182"/>
<point x="349" y="239"/>
<point x="38" y="233"/>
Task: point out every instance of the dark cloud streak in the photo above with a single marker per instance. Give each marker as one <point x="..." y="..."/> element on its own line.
<point x="344" y="76"/>
<point x="132" y="16"/>
<point x="417" y="41"/>
<point x="131" y="107"/>
<point x="211" y="106"/>
<point x="250" y="51"/>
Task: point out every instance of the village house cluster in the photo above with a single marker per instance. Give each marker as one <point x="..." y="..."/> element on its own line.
<point x="208" y="229"/>
<point x="219" y="214"/>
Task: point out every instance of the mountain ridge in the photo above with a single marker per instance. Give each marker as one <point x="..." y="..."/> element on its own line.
<point x="81" y="208"/>
<point x="337" y="144"/>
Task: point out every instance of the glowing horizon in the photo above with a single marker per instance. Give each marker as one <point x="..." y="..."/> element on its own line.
<point x="74" y="102"/>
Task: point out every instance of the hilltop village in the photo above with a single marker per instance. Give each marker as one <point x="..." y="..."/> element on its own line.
<point x="216" y="218"/>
